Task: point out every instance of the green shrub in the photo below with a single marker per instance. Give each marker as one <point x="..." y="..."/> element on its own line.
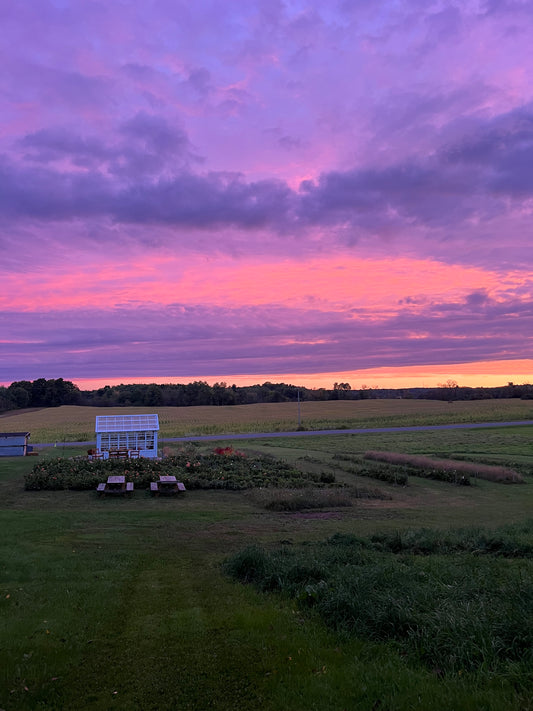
<point x="225" y="470"/>
<point x="383" y="472"/>
<point x="252" y="565"/>
<point x="302" y="499"/>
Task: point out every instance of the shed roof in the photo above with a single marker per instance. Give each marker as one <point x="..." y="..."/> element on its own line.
<point x="14" y="434"/>
<point x="126" y="423"/>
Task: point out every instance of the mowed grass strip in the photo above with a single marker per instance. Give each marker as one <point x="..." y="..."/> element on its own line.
<point x="71" y="423"/>
<point x="91" y="614"/>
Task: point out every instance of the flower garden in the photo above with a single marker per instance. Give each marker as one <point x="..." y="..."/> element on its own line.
<point x="223" y="468"/>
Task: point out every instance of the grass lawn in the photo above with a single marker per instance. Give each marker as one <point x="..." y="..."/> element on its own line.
<point x="123" y="603"/>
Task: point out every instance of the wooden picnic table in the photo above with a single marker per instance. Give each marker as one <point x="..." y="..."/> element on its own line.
<point x="166" y="485"/>
<point x="116" y="484"/>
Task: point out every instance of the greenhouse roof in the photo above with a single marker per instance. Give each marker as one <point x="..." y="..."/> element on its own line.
<point x="126" y="423"/>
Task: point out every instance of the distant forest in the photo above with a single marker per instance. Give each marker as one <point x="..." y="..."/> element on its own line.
<point x="53" y="393"/>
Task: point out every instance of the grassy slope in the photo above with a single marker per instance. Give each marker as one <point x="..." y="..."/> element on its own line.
<point x="121" y="603"/>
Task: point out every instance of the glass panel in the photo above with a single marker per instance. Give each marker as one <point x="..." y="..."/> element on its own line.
<point x="127" y="440"/>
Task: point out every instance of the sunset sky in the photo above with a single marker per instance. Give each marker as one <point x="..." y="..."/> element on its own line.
<point x="295" y="191"/>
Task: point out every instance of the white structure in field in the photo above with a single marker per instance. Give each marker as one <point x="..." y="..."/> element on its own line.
<point x="131" y="433"/>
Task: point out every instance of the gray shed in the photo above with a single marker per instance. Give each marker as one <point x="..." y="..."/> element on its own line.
<point x="14" y="444"/>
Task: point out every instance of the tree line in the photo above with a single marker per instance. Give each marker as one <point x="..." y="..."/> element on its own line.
<point x="38" y="393"/>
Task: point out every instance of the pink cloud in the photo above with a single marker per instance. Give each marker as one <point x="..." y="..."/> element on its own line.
<point x="371" y="288"/>
<point x="289" y="187"/>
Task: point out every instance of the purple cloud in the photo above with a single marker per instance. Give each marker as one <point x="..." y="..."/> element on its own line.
<point x="253" y="339"/>
<point x="276" y="130"/>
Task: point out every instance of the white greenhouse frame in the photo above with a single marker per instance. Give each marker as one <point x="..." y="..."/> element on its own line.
<point x="127" y="433"/>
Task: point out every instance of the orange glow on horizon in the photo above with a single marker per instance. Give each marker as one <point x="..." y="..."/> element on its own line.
<point x="480" y="374"/>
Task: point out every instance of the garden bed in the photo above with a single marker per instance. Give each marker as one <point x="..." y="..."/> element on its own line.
<point x="219" y="469"/>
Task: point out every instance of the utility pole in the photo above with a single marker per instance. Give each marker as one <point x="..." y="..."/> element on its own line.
<point x="299" y="414"/>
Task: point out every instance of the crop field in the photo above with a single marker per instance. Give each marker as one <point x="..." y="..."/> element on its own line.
<point x="71" y="423"/>
<point x="353" y="594"/>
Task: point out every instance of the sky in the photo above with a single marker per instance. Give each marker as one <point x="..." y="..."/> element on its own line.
<point x="298" y="191"/>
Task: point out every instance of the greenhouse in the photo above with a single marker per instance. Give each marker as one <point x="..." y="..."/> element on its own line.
<point x="127" y="435"/>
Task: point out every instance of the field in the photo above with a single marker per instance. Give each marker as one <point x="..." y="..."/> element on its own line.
<point x="128" y="603"/>
<point x="70" y="423"/>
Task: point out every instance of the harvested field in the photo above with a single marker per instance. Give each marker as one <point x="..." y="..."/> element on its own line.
<point x="71" y="423"/>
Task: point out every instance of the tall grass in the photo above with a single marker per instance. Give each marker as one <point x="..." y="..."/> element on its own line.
<point x="305" y="499"/>
<point x="506" y="541"/>
<point x="449" y="467"/>
<point x="454" y="612"/>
